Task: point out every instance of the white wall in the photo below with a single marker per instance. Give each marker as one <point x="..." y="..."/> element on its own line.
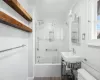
<point x="92" y="54"/>
<point x="14" y="64"/>
<point x="57" y="11"/>
<point x="15" y="67"/>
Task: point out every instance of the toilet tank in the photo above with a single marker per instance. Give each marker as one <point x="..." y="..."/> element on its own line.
<point x="84" y="75"/>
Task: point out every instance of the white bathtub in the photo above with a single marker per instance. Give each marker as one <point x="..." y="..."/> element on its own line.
<point x="47" y="70"/>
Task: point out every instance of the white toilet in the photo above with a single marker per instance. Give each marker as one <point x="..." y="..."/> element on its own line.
<point x="84" y="75"/>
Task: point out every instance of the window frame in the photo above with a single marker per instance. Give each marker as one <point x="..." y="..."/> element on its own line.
<point x="92" y="23"/>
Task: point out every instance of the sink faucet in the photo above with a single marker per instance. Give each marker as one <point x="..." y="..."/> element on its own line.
<point x="74" y="51"/>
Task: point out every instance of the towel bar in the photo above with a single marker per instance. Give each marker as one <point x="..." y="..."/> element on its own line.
<point x="51" y="50"/>
<point x="12" y="48"/>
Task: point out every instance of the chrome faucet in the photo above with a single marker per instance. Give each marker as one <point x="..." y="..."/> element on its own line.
<point x="74" y="51"/>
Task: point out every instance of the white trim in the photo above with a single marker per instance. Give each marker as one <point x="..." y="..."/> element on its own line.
<point x="94" y="43"/>
<point x="30" y="78"/>
<point x="91" y="19"/>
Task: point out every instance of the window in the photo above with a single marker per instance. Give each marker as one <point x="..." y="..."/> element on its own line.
<point x="94" y="19"/>
<point x="94" y="23"/>
<point x="98" y="20"/>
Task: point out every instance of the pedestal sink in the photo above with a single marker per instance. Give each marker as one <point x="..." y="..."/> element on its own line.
<point x="70" y="57"/>
<point x="72" y="61"/>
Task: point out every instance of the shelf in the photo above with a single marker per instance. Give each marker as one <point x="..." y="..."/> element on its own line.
<point x="8" y="20"/>
<point x="18" y="8"/>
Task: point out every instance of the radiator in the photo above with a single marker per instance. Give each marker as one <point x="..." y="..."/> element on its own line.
<point x="84" y="75"/>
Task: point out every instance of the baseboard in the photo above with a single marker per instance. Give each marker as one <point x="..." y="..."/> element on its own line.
<point x="30" y="78"/>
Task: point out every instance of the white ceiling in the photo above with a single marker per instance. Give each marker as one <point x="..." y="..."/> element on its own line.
<point x="53" y="10"/>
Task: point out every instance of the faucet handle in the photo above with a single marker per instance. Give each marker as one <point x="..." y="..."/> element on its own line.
<point x="74" y="51"/>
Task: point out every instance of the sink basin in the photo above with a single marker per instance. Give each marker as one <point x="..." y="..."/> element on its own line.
<point x="69" y="57"/>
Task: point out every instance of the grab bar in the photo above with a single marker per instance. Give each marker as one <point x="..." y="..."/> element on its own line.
<point x="12" y="48"/>
<point x="90" y="65"/>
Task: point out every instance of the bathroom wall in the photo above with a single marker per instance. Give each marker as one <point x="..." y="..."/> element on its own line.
<point x="14" y="64"/>
<point x="92" y="54"/>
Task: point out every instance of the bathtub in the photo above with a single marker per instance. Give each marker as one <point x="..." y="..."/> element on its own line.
<point x="48" y="70"/>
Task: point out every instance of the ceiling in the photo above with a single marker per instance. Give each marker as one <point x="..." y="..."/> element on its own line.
<point x="52" y="10"/>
